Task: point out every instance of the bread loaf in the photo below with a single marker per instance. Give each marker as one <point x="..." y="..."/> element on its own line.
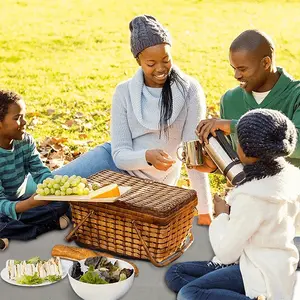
<point x="76" y="253"/>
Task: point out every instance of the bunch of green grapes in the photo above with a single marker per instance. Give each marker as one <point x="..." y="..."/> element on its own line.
<point x="64" y="185"/>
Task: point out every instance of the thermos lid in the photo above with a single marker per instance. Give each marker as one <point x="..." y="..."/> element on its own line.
<point x="239" y="178"/>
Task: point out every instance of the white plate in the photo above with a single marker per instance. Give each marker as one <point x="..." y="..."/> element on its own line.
<point x="86" y="198"/>
<point x="66" y="264"/>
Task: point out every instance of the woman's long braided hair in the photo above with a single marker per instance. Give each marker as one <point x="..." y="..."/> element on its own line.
<point x="166" y="100"/>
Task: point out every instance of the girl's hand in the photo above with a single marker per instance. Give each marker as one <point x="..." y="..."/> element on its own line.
<point x="220" y="205"/>
<point x="159" y="159"/>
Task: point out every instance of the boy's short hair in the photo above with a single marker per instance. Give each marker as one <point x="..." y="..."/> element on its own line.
<point x="7" y="98"/>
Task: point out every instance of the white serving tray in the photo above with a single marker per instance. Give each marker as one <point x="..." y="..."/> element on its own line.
<point x="85" y="198"/>
<point x="65" y="267"/>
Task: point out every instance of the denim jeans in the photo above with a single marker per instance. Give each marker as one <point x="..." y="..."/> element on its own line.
<point x="95" y="160"/>
<point x="33" y="222"/>
<point x="206" y="280"/>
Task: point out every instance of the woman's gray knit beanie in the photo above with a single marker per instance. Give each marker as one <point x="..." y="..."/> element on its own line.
<point x="146" y="31"/>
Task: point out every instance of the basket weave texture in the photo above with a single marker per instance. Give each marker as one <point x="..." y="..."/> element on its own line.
<point x="156" y="213"/>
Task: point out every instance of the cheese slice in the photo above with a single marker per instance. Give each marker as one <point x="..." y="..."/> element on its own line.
<point x="108" y="191"/>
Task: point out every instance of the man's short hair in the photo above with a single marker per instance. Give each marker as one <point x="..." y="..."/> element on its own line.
<point x="254" y="41"/>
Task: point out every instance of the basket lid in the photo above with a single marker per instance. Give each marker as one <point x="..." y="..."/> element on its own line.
<point x="146" y="196"/>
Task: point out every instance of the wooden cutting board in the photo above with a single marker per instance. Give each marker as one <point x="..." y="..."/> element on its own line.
<point x="85" y="198"/>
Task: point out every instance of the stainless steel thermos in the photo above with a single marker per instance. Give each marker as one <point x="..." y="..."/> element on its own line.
<point x="225" y="158"/>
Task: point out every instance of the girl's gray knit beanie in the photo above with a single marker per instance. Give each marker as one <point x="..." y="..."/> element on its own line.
<point x="264" y="133"/>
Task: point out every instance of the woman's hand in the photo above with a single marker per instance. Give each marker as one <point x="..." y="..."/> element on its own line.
<point x="205" y="127"/>
<point x="208" y="165"/>
<point x="220" y="205"/>
<point x="159" y="159"/>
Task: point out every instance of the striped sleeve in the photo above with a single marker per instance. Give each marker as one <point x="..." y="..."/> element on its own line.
<point x="7" y="207"/>
<point x="37" y="169"/>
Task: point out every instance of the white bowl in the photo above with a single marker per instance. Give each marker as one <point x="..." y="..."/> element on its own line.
<point x="110" y="291"/>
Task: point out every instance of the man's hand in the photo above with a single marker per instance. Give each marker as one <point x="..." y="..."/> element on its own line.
<point x="159" y="159"/>
<point x="205" y="127"/>
<point x="220" y="206"/>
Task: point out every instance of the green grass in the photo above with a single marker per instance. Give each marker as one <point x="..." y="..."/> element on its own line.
<point x="70" y="54"/>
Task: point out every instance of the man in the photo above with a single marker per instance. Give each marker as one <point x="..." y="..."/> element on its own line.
<point x="262" y="85"/>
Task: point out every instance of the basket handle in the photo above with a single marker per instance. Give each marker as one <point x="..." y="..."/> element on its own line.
<point x="169" y="259"/>
<point x="68" y="238"/>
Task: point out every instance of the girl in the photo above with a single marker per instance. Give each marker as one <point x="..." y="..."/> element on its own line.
<point x="255" y="253"/>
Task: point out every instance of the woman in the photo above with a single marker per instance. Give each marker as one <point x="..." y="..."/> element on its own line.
<point x="255" y="254"/>
<point x="152" y="114"/>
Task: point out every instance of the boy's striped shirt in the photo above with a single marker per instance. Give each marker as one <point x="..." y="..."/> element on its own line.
<point x="15" y="165"/>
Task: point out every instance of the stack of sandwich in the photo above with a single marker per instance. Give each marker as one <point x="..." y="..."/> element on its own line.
<point x="16" y="269"/>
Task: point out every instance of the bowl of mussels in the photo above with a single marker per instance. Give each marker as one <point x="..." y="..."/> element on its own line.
<point x="101" y="278"/>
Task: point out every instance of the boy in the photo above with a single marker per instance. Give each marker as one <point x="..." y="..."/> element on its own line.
<point x="22" y="217"/>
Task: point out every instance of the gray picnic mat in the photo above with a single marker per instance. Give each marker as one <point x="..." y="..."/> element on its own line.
<point x="148" y="285"/>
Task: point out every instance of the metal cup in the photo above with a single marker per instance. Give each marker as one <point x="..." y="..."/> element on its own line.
<point x="192" y="153"/>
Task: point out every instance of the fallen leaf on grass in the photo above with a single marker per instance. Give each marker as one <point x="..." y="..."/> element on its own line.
<point x="79" y="143"/>
<point x="55" y="163"/>
<point x="33" y="114"/>
<point x="83" y="136"/>
<point x="55" y="153"/>
<point x="78" y="115"/>
<point x="34" y="121"/>
<point x="52" y="140"/>
<point x="50" y="111"/>
<point x="69" y="123"/>
<point x="88" y="125"/>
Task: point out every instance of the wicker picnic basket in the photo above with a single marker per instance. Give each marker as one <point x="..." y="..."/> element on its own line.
<point x="151" y="221"/>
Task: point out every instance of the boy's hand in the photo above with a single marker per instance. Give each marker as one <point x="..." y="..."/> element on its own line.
<point x="159" y="159"/>
<point x="220" y="205"/>
<point x="30" y="203"/>
<point x="35" y="203"/>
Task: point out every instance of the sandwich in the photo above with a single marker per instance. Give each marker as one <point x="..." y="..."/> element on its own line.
<point x="34" y="267"/>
